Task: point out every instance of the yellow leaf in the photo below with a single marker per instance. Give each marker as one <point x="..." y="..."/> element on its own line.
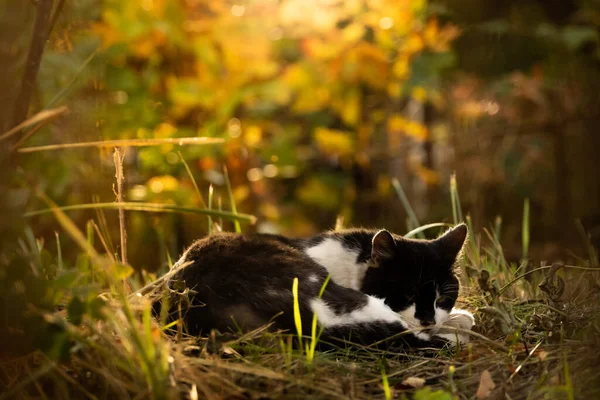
<point x="419" y="93"/>
<point x="394" y="89"/>
<point x="383" y="185"/>
<point x="373" y="65"/>
<point x="430" y="34"/>
<point x="270" y="211"/>
<point x="439" y="40"/>
<point x="240" y="193"/>
<point x="296" y="76"/>
<point x="401" y="68"/>
<point x="396" y="123"/>
<point x="413" y="44"/>
<point x="351" y="108"/>
<point x="164" y="130"/>
<point x="310" y="101"/>
<point x="416" y="130"/>
<point x="320" y="49"/>
<point x="159" y="184"/>
<point x="252" y="135"/>
<point x="353" y="32"/>
<point x="334" y="142"/>
<point x="427" y="175"/>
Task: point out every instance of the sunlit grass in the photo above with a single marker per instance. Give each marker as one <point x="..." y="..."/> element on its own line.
<point x="236" y="223"/>
<point x="151" y="207"/>
<point x="125" y="143"/>
<point x="128" y="352"/>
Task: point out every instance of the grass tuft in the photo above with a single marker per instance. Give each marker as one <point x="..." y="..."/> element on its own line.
<point x="534" y="342"/>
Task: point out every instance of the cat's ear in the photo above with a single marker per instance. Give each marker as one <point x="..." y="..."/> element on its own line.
<point x="383" y="247"/>
<point x="451" y="242"/>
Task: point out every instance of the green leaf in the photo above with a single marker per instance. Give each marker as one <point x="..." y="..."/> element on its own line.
<point x="427" y="394"/>
<point x="65" y="279"/>
<point x="576" y="36"/>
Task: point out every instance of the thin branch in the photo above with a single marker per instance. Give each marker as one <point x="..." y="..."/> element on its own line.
<point x="34" y="58"/>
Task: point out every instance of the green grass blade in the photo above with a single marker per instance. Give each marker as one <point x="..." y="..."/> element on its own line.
<point x="457" y="214"/>
<point x="210" y="202"/>
<point x="497" y="227"/>
<point x="220" y="202"/>
<point x="525" y="229"/>
<point x="70" y="228"/>
<point x="238" y="228"/>
<point x="297" y="317"/>
<point x="387" y="391"/>
<point x="61" y="265"/>
<point x="407" y="207"/>
<point x="68" y="86"/>
<point x="42" y="116"/>
<point x="189" y="171"/>
<point x="150" y="207"/>
<point x="314" y="338"/>
<point x="423" y="228"/>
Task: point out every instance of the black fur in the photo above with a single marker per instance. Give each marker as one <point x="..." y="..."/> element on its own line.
<point x="244" y="281"/>
<point x="411" y="273"/>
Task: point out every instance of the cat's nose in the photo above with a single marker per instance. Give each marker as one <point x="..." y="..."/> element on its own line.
<point x="427" y="322"/>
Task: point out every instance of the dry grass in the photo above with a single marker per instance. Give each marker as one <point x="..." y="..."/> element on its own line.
<point x="536" y="336"/>
<point x="535" y="343"/>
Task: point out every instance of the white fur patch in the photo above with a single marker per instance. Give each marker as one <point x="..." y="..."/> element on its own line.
<point x="375" y="310"/>
<point x="408" y="316"/>
<point x="457" y="318"/>
<point x="339" y="262"/>
<point x="440" y="316"/>
<point x="313" y="278"/>
<point x="467" y="319"/>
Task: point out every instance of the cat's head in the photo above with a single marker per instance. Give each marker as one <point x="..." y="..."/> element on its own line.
<point x="416" y="277"/>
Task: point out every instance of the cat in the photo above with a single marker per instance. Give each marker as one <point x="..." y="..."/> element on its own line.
<point x="382" y="285"/>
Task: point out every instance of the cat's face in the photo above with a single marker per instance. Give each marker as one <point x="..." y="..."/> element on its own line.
<point x="416" y="277"/>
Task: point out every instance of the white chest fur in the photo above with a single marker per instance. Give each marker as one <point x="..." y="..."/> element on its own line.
<point x="340" y="262"/>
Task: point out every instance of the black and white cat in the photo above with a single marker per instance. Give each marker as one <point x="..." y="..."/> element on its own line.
<point x="382" y="285"/>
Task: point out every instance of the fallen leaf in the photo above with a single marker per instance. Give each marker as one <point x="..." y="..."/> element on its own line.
<point x="486" y="385"/>
<point x="194" y="392"/>
<point x="414" y="382"/>
<point x="542" y="354"/>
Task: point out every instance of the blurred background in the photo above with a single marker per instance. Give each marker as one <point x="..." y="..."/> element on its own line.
<point x="322" y="104"/>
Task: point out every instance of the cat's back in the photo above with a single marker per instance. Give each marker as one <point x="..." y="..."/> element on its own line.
<point x="235" y="245"/>
<point x="241" y="255"/>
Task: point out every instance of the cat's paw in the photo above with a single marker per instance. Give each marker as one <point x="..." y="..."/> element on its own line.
<point x="452" y="329"/>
